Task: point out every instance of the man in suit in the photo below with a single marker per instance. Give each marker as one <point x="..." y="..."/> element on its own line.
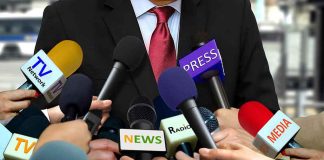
<point x="98" y="25"/>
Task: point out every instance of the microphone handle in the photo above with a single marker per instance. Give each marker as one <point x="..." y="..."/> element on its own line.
<point x="26" y="86"/>
<point x="186" y="148"/>
<point x="193" y="116"/>
<point x="144" y="156"/>
<point x="219" y="92"/>
<point x="112" y="81"/>
<point x="294" y="144"/>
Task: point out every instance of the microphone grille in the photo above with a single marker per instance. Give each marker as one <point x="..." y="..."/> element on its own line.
<point x="141" y="109"/>
<point x="209" y="119"/>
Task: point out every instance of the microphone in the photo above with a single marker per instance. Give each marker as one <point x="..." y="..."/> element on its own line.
<point x="272" y="133"/>
<point x="76" y="97"/>
<point x="141" y="115"/>
<point x="29" y="122"/>
<point x="128" y="56"/>
<point x="48" y="73"/>
<point x="205" y="64"/>
<point x="209" y="119"/>
<point x="5" y="138"/>
<point x="110" y="129"/>
<point x="178" y="135"/>
<point x="178" y="91"/>
<point x="59" y="150"/>
<point x="20" y="147"/>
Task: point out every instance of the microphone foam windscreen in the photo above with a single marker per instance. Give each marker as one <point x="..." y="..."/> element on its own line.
<point x="253" y="116"/>
<point x="130" y="51"/>
<point x="77" y="93"/>
<point x="176" y="86"/>
<point x="67" y="56"/>
<point x="209" y="119"/>
<point x="141" y="109"/>
<point x="59" y="150"/>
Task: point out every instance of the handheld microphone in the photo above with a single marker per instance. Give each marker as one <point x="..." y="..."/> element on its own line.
<point x="205" y="64"/>
<point x="272" y="133"/>
<point x="29" y="122"/>
<point x="178" y="135"/>
<point x="20" y="147"/>
<point x="142" y="115"/>
<point x="128" y="56"/>
<point x="76" y="97"/>
<point x="59" y="150"/>
<point x="209" y="119"/>
<point x="110" y="129"/>
<point x="178" y="91"/>
<point x="5" y="138"/>
<point x="48" y="73"/>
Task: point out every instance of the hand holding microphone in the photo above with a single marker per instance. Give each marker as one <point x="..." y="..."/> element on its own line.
<point x="13" y="101"/>
<point x="75" y="132"/>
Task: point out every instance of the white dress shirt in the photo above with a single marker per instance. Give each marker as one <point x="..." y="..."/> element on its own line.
<point x="147" y="21"/>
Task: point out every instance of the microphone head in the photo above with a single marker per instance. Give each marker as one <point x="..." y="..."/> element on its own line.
<point x="130" y="51"/>
<point x="209" y="119"/>
<point x="59" y="150"/>
<point x="253" y="116"/>
<point x="67" y="56"/>
<point x="176" y="86"/>
<point x="76" y="93"/>
<point x="141" y="110"/>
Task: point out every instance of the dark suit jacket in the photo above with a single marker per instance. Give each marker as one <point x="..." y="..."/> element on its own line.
<point x="98" y="25"/>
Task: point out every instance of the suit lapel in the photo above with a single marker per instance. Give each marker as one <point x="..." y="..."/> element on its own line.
<point x="121" y="21"/>
<point x="193" y="20"/>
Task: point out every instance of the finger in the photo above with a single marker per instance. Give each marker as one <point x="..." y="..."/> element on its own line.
<point x="126" y="158"/>
<point x="101" y="155"/>
<point x="7" y="116"/>
<point x="104" y="144"/>
<point x="299" y="152"/>
<point x="182" y="156"/>
<point x="230" y="146"/>
<point x="216" y="154"/>
<point x="19" y="94"/>
<point x="221" y="135"/>
<point x="101" y="105"/>
<point x="105" y="116"/>
<point x="94" y="97"/>
<point x="18" y="105"/>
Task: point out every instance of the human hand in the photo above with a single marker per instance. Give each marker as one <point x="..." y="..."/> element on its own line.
<point x="227" y="118"/>
<point x="103" y="149"/>
<point x="231" y="135"/>
<point x="303" y="153"/>
<point x="182" y="156"/>
<point x="55" y="113"/>
<point x="13" y="101"/>
<point x="75" y="132"/>
<point x="231" y="151"/>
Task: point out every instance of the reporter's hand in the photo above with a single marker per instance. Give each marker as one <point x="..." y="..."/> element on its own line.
<point x="75" y="132"/>
<point x="231" y="151"/>
<point x="128" y="158"/>
<point x="182" y="156"/>
<point x="103" y="149"/>
<point x="55" y="113"/>
<point x="230" y="135"/>
<point x="303" y="153"/>
<point x="227" y="118"/>
<point x="14" y="101"/>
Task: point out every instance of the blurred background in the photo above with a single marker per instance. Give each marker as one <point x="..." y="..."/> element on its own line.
<point x="291" y="31"/>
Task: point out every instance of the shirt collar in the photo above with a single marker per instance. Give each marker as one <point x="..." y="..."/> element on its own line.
<point x="142" y="6"/>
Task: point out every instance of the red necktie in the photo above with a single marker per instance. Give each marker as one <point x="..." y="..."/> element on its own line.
<point x="162" y="51"/>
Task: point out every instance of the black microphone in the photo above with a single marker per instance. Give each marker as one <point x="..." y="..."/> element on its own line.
<point x="211" y="68"/>
<point x="128" y="56"/>
<point x="142" y="115"/>
<point x="30" y="122"/>
<point x="178" y="91"/>
<point x="76" y="97"/>
<point x="110" y="129"/>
